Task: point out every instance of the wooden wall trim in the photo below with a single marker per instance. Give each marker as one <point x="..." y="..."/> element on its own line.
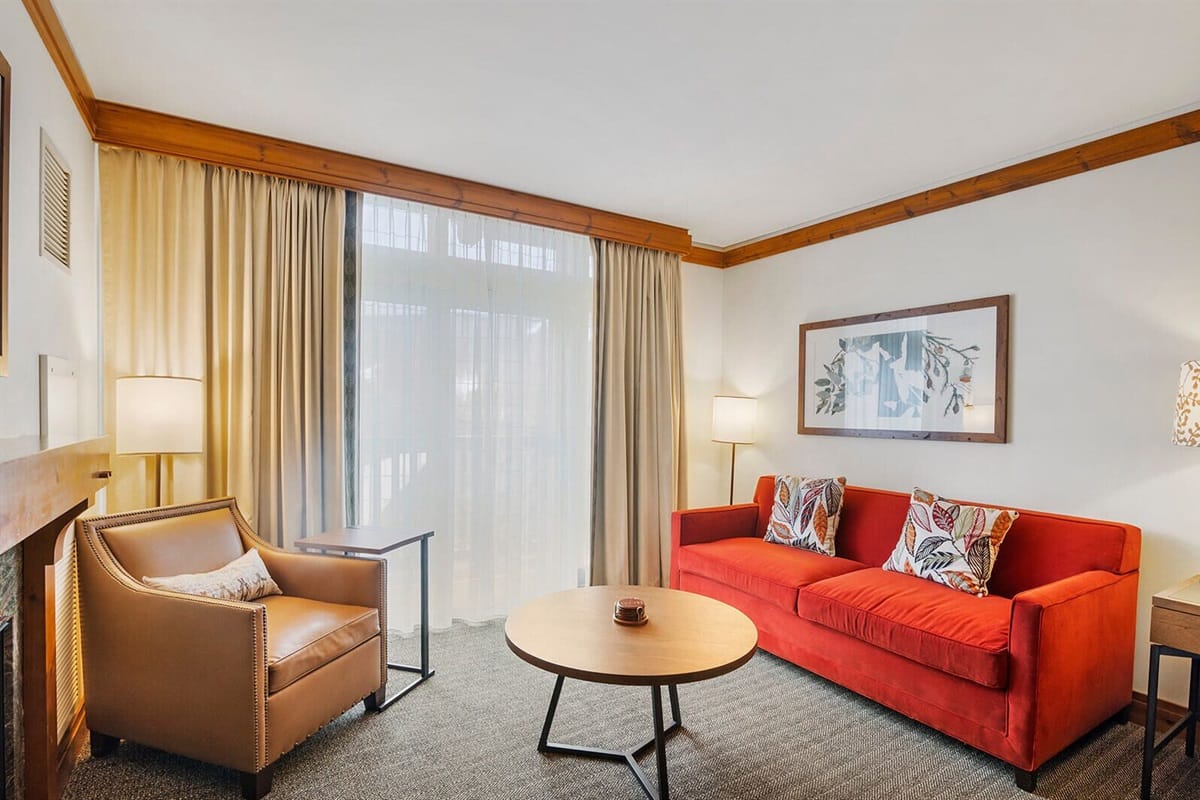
<point x="1141" y="141"/>
<point x="140" y="129"/>
<point x="705" y="257"/>
<point x="50" y="28"/>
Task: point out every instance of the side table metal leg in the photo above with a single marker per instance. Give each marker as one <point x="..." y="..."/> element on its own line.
<point x="673" y="690"/>
<point x="422" y="671"/>
<point x="425" y="672"/>
<point x="660" y="739"/>
<point x="1193" y="708"/>
<point x="1151" y="720"/>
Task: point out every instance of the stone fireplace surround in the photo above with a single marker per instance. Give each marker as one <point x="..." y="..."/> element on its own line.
<point x="42" y="491"/>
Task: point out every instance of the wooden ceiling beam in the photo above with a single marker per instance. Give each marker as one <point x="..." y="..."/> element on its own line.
<point x="1141" y="141"/>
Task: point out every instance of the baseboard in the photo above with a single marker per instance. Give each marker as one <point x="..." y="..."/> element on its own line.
<point x="1168" y="713"/>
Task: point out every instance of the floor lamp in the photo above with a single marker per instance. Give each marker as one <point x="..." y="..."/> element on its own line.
<point x="159" y="416"/>
<point x="733" y="423"/>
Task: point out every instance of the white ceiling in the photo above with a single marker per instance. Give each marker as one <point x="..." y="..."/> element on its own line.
<point x="734" y="119"/>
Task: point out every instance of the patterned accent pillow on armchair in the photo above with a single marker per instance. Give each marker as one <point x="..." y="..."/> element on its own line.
<point x="806" y="512"/>
<point x="951" y="543"/>
<point x="245" y="578"/>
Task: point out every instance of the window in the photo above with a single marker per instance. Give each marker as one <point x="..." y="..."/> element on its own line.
<point x="475" y="403"/>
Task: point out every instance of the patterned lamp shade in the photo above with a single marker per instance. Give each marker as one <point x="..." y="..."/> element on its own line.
<point x="1187" y="407"/>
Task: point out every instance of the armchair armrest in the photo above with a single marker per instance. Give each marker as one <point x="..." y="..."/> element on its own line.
<point x="1071" y="647"/>
<point x="188" y="673"/>
<point x="699" y="525"/>
<point x="330" y="579"/>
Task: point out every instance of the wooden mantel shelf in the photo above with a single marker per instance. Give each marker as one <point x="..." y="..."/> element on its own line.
<point x="37" y="484"/>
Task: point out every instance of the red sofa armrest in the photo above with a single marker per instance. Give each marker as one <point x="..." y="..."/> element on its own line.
<point x="697" y="525"/>
<point x="1071" y="646"/>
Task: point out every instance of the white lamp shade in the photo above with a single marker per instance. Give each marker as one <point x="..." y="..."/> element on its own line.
<point x="733" y="419"/>
<point x="159" y="415"/>
<point x="1187" y="406"/>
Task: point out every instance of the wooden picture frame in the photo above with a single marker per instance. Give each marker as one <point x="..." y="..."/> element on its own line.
<point x="5" y="129"/>
<point x="935" y="372"/>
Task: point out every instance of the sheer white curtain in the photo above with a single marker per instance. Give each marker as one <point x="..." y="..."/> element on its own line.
<point x="474" y="395"/>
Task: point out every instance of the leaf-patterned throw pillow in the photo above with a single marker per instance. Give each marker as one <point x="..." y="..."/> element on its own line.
<point x="806" y="512"/>
<point x="950" y="543"/>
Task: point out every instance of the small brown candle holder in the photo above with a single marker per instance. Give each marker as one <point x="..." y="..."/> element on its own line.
<point x="630" y="611"/>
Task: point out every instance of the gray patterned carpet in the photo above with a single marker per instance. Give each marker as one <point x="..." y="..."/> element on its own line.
<point x="768" y="730"/>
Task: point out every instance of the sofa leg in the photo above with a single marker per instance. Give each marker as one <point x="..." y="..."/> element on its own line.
<point x="1026" y="779"/>
<point x="103" y="744"/>
<point x="256" y="785"/>
<point x="374" y="701"/>
<point x="1122" y="716"/>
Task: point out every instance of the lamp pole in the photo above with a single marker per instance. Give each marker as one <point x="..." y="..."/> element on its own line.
<point x="732" y="467"/>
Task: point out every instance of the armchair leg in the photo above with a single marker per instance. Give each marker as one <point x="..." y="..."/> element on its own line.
<point x="1122" y="716"/>
<point x="256" y="785"/>
<point x="374" y="701"/>
<point x="1026" y="779"/>
<point x="103" y="744"/>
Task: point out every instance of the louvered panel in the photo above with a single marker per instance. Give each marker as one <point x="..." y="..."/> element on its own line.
<point x="68" y="658"/>
<point x="56" y="205"/>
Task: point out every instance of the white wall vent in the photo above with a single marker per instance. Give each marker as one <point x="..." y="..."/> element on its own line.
<point x="56" y="205"/>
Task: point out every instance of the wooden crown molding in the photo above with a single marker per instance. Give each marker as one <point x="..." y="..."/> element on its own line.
<point x="705" y="256"/>
<point x="126" y="126"/>
<point x="140" y="129"/>
<point x="1142" y="141"/>
<point x="50" y="28"/>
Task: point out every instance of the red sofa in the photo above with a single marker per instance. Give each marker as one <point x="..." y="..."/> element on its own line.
<point x="1019" y="674"/>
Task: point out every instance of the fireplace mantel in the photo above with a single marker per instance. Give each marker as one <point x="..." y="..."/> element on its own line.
<point x="38" y="484"/>
<point x="42" y="489"/>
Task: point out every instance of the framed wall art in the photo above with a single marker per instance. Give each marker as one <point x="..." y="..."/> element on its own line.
<point x="935" y="372"/>
<point x="5" y="115"/>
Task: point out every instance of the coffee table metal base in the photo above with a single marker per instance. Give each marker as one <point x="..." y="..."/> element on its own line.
<point x="630" y="757"/>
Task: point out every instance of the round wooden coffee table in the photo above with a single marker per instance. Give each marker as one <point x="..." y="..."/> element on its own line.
<point x="688" y="637"/>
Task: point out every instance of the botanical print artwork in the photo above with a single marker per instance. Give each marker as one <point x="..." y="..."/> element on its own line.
<point x="950" y="543"/>
<point x="935" y="372"/>
<point x="901" y="372"/>
<point x="806" y="512"/>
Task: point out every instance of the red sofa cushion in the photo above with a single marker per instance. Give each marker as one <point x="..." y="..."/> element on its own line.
<point x="939" y="627"/>
<point x="772" y="572"/>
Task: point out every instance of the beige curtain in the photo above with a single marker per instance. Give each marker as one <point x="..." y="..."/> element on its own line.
<point x="266" y="291"/>
<point x="153" y="248"/>
<point x="637" y="473"/>
<point x="275" y="351"/>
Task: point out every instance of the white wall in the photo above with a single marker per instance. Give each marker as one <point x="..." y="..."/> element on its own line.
<point x="707" y="471"/>
<point x="1104" y="274"/>
<point x="51" y="310"/>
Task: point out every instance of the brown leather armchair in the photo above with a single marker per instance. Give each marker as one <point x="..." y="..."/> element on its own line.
<point x="227" y="682"/>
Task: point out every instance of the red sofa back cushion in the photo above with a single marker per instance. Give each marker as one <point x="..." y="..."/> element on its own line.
<point x="1040" y="548"/>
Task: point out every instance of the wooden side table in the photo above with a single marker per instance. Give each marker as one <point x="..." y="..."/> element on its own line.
<point x="1174" y="631"/>
<point x="376" y="541"/>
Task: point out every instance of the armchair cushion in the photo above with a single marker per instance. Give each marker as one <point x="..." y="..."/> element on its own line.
<point x="303" y="635"/>
<point x="171" y="544"/>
